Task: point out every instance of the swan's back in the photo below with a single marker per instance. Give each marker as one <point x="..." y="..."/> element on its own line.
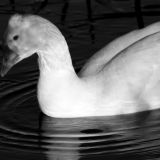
<point x="135" y="72"/>
<point x="103" y="56"/>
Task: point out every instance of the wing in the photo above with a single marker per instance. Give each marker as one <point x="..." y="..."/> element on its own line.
<point x="138" y="66"/>
<point x="102" y="57"/>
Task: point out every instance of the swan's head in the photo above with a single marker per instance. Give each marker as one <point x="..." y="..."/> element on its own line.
<point x="26" y="35"/>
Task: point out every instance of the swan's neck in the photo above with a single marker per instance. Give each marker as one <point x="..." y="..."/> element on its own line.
<point x="60" y="91"/>
<point x="55" y="58"/>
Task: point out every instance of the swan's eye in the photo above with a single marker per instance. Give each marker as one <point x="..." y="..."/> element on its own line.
<point x="15" y="37"/>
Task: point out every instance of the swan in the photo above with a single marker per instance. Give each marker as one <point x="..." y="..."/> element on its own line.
<point x="128" y="82"/>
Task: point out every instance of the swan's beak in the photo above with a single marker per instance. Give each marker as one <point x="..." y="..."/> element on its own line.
<point x="9" y="59"/>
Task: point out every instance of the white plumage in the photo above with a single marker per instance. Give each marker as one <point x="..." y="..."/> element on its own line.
<point x="122" y="78"/>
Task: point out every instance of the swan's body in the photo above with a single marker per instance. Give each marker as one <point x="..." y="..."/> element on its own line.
<point x="128" y="82"/>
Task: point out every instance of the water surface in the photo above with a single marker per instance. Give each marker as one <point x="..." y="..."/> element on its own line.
<point x="26" y="133"/>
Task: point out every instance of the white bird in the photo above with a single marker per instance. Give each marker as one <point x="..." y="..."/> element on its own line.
<point x="121" y="82"/>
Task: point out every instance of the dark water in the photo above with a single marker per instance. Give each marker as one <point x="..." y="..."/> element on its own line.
<point x="25" y="133"/>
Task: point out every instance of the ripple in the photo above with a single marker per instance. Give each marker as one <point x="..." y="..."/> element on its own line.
<point x="24" y="128"/>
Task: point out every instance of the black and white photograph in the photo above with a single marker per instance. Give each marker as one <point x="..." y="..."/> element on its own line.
<point x="80" y="80"/>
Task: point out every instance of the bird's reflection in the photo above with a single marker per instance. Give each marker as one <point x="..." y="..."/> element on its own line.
<point x="132" y="136"/>
<point x="115" y="137"/>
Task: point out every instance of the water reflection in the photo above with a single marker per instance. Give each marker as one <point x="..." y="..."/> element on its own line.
<point x="116" y="137"/>
<point x="24" y="130"/>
